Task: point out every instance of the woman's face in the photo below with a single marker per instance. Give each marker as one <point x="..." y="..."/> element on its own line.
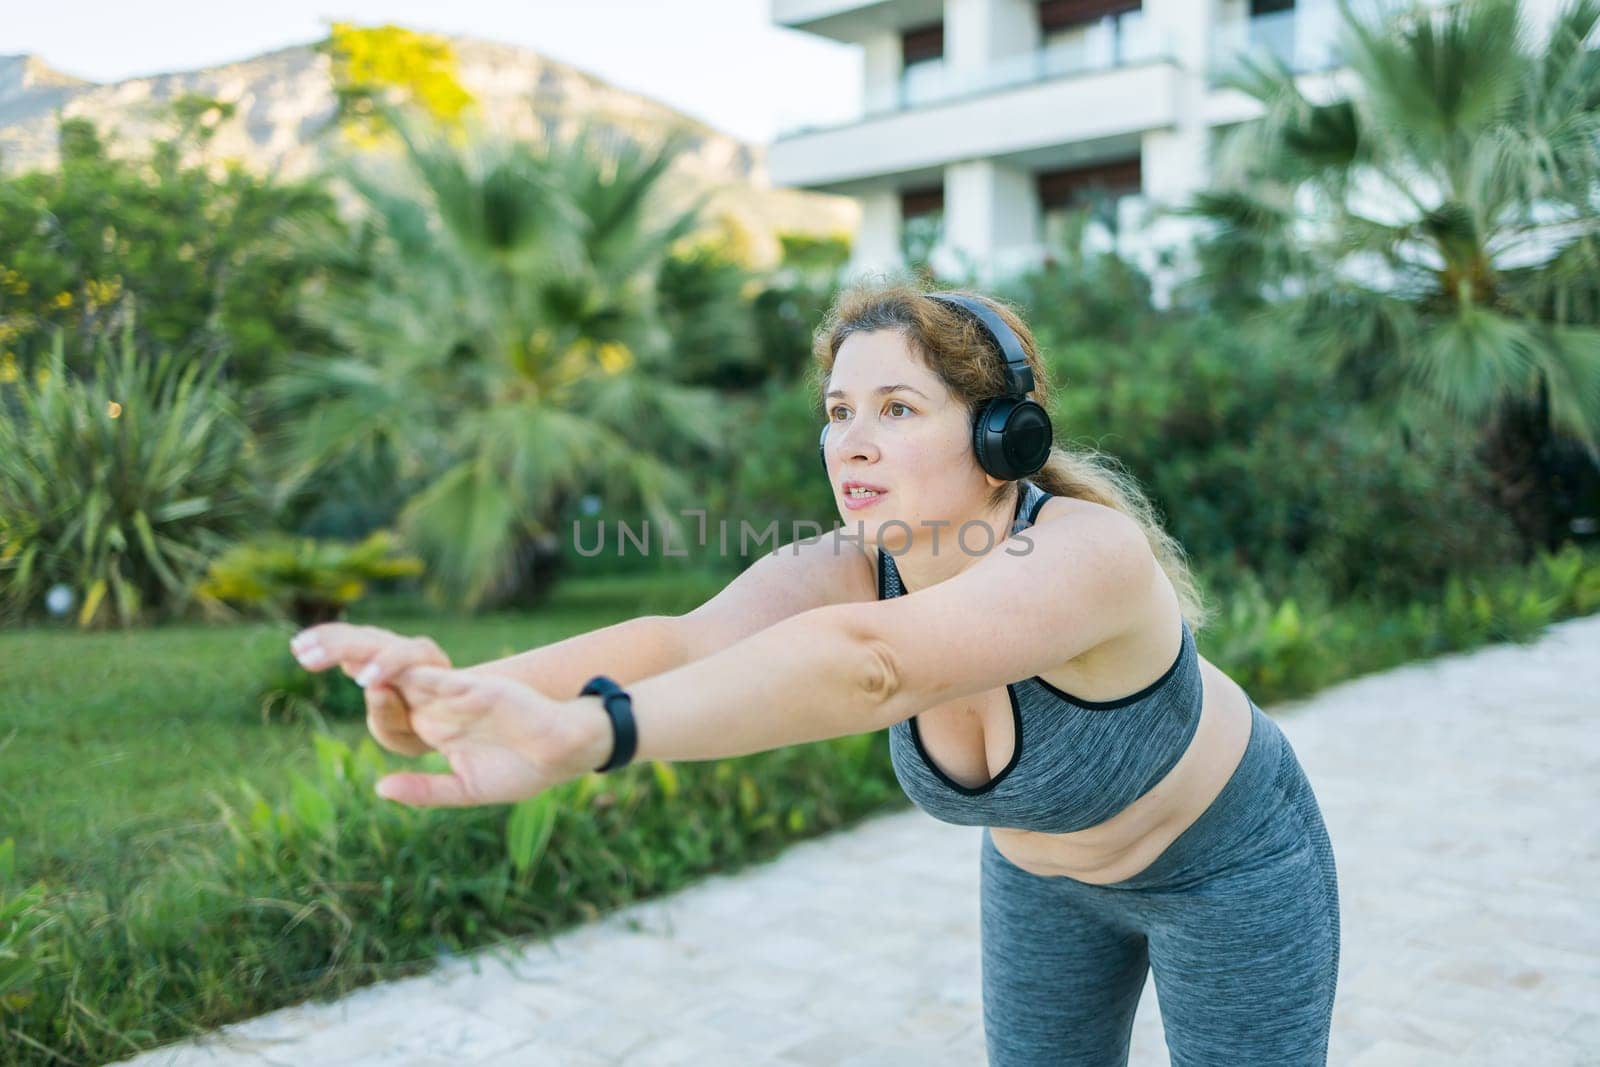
<point x="893" y="425"/>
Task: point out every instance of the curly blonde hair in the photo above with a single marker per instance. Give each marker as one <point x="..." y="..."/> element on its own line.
<point x="954" y="346"/>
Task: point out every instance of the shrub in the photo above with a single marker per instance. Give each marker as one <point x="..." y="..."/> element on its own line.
<point x="323" y="887"/>
<point x="1259" y="459"/>
<point x="298" y="577"/>
<point x="122" y="485"/>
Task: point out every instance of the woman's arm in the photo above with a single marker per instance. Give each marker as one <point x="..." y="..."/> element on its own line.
<point x="505" y="741"/>
<point x="810" y="677"/>
<point x="861" y="667"/>
<point x="627" y="651"/>
<point x="827" y="672"/>
<point x="786" y="582"/>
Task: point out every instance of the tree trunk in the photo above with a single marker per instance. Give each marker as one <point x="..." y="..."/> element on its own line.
<point x="313" y="611"/>
<point x="1518" y="450"/>
<point x="536" y="564"/>
<point x="542" y="565"/>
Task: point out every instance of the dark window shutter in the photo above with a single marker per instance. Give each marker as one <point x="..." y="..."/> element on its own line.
<point x="1064" y="14"/>
<point x="1063" y="188"/>
<point x="922" y="43"/>
<point x="928" y="201"/>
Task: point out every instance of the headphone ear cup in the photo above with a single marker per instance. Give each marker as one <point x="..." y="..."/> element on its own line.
<point x="822" y="447"/>
<point x="1011" y="437"/>
<point x="981" y="434"/>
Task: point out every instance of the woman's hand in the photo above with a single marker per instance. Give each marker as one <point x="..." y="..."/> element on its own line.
<point x="372" y="656"/>
<point x="504" y="740"/>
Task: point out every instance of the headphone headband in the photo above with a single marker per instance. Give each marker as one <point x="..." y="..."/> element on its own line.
<point x="1019" y="376"/>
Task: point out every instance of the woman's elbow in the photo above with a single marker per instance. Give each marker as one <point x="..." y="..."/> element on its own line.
<point x="875" y="666"/>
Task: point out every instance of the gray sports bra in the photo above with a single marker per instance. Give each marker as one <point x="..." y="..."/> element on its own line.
<point x="1076" y="762"/>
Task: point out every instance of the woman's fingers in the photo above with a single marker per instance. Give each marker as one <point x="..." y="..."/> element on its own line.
<point x="500" y="738"/>
<point x="389" y="720"/>
<point x="373" y="657"/>
<point x="452" y="707"/>
<point x="369" y="654"/>
<point x="320" y="647"/>
<point x="426" y="790"/>
<point x="423" y="684"/>
<point x="398" y="654"/>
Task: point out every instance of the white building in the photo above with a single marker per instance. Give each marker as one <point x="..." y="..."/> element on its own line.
<point x="986" y="122"/>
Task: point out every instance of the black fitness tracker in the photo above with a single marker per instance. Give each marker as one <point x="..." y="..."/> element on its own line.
<point x="619" y="706"/>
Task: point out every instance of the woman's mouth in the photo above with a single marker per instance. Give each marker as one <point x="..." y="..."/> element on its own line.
<point x="855" y="499"/>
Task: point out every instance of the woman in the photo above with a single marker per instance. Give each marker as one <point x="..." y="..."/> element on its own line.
<point x="1017" y="620"/>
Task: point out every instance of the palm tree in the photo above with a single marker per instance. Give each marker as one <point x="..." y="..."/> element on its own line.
<point x="1435" y="232"/>
<point x="501" y="352"/>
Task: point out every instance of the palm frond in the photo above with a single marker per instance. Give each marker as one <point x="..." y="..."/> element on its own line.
<point x="1476" y="360"/>
<point x="1572" y="366"/>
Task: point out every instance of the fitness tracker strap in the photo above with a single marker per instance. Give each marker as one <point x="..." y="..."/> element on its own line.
<point x="619" y="706"/>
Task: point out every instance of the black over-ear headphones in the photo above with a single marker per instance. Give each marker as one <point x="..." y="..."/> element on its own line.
<point x="1011" y="435"/>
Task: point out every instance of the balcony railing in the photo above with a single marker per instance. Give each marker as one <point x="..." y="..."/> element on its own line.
<point x="1303" y="38"/>
<point x="1108" y="42"/>
<point x="1127" y="41"/>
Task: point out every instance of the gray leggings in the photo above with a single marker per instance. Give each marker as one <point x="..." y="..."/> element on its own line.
<point x="1239" y="919"/>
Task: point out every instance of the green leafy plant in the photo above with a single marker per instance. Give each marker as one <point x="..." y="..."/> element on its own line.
<point x="166" y="225"/>
<point x="121" y="485"/>
<point x="22" y="916"/>
<point x="1434" y="234"/>
<point x="1250" y="449"/>
<point x="307" y="580"/>
<point x="500" y="355"/>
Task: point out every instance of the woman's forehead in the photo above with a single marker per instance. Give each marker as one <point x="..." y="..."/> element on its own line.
<point x="881" y="357"/>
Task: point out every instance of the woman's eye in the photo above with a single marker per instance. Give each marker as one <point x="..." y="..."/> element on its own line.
<point x="888" y="407"/>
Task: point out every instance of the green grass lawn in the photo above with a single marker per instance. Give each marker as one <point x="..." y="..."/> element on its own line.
<point x="111" y="742"/>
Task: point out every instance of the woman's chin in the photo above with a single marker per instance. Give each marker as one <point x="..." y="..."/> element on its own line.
<point x="866" y="526"/>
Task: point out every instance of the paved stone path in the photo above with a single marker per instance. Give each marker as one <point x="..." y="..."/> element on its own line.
<point x="1460" y="795"/>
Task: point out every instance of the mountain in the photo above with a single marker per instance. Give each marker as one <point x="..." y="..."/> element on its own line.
<point x="283" y="98"/>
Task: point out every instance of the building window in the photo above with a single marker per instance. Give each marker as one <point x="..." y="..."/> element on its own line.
<point x="1274" y="27"/>
<point x="1080" y="35"/>
<point x="922" y="44"/>
<point x="921" y="64"/>
<point x="1064" y="14"/>
<point x="921" y="223"/>
<point x="1082" y="206"/>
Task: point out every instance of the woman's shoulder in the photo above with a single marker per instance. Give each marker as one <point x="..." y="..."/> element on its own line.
<point x="1070" y="508"/>
<point x="1156" y="626"/>
<point x="1103" y="520"/>
<point x="841" y="569"/>
<point x="852" y="571"/>
<point x="794" y="578"/>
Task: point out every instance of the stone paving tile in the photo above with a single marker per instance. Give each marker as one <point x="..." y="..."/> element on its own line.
<point x="1459" y="794"/>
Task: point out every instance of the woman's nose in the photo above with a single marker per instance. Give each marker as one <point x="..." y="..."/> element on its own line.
<point x="858" y="440"/>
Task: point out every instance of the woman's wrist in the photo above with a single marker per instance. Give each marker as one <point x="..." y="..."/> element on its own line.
<point x="592" y="734"/>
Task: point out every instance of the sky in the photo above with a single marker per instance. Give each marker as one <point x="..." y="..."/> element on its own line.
<point x="721" y="61"/>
